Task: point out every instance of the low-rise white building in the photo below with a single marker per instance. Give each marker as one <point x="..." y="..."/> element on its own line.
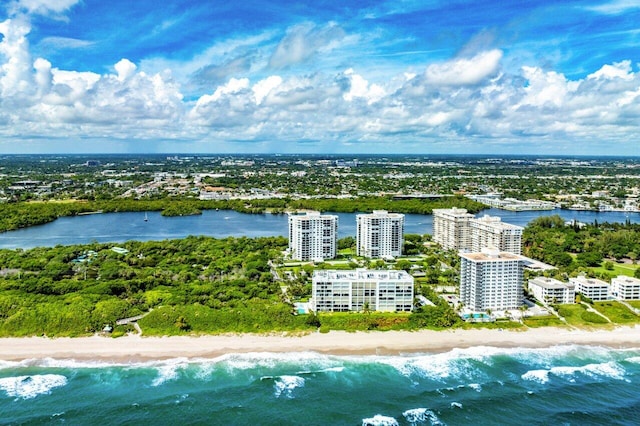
<point x="591" y="288"/>
<point x="353" y="290"/>
<point x="625" y="288"/>
<point x="550" y="290"/>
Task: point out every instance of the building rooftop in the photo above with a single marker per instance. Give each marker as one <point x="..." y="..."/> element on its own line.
<point x="361" y="274"/>
<point x="488" y="255"/>
<point x="627" y="280"/>
<point x="548" y="283"/>
<point x="589" y="282"/>
<point x="495" y="221"/>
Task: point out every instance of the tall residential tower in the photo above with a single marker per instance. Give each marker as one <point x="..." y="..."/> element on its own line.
<point x="313" y="236"/>
<point x="380" y="234"/>
<point x="491" y="280"/>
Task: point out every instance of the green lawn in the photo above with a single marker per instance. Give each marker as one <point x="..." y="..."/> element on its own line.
<point x="548" y="321"/>
<point x="634" y="303"/>
<point x="616" y="312"/>
<point x="577" y="315"/>
<point x="618" y="269"/>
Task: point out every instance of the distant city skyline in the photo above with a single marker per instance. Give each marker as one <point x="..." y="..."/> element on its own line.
<point x="415" y="76"/>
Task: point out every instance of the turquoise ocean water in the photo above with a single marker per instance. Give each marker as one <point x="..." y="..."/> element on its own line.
<point x="563" y="385"/>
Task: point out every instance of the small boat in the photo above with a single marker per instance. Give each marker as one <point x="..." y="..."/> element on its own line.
<point x="146" y="219"/>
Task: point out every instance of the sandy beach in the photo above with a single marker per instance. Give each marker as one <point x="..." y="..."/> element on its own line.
<point x="135" y="348"/>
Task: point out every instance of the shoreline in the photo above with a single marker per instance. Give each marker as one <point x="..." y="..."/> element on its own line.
<point x="135" y="349"/>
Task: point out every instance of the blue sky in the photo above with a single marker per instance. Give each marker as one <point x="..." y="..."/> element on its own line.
<point x="427" y="76"/>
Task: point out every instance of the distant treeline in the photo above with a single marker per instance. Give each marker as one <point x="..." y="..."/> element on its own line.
<point x="25" y="214"/>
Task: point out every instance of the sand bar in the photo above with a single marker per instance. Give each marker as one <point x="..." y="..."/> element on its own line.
<point x="135" y="348"/>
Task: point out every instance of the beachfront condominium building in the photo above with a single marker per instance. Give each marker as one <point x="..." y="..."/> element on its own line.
<point x="451" y="228"/>
<point x="550" y="290"/>
<point x="490" y="231"/>
<point x="379" y="234"/>
<point x="625" y="288"/>
<point x="455" y="229"/>
<point x="313" y="236"/>
<point x="360" y="289"/>
<point x="491" y="280"/>
<point x="591" y="288"/>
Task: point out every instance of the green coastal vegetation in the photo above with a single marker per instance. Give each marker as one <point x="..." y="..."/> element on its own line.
<point x="200" y="285"/>
<point x="25" y="214"/>
<point x="603" y="250"/>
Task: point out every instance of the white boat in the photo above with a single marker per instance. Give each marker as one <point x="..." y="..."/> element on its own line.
<point x="146" y="219"/>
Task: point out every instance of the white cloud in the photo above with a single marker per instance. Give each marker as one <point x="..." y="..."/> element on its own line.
<point x="360" y="88"/>
<point x="58" y="43"/>
<point x="42" y="7"/>
<point x="617" y="70"/>
<point x="125" y="69"/>
<point x="304" y="41"/>
<point x="615" y="7"/>
<point x="544" y="87"/>
<point x="465" y="71"/>
<point x="460" y="99"/>
<point x="262" y="88"/>
<point x="15" y="72"/>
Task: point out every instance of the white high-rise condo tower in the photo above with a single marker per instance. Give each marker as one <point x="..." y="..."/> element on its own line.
<point x="491" y="280"/>
<point x="380" y="234"/>
<point x="313" y="236"/>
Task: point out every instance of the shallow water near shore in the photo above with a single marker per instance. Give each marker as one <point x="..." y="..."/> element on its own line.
<point x="481" y="385"/>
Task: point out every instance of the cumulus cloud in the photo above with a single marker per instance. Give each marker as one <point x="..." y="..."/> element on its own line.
<point x="465" y="71"/>
<point x="617" y="70"/>
<point x="16" y="69"/>
<point x="360" y="88"/>
<point x="464" y="98"/>
<point x="125" y="69"/>
<point x="305" y="41"/>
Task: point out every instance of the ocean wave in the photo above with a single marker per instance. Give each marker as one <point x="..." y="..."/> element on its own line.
<point x="380" y="420"/>
<point x="285" y="385"/>
<point x="475" y="386"/>
<point x="421" y="415"/>
<point x="634" y="359"/>
<point x="440" y="367"/>
<point x="27" y="387"/>
<point x="611" y="370"/>
<point x="540" y="376"/>
<point x="168" y="370"/>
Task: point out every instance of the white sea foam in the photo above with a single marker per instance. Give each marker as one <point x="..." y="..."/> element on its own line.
<point x="634" y="359"/>
<point x="610" y="369"/>
<point x="307" y="360"/>
<point x="27" y="387"/>
<point x="540" y="376"/>
<point x="456" y="405"/>
<point x="439" y="367"/>
<point x="380" y="420"/>
<point x="421" y="415"/>
<point x="169" y="370"/>
<point x="475" y="386"/>
<point x="285" y="385"/>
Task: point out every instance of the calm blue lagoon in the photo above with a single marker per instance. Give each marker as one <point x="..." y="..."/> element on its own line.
<point x="119" y="227"/>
